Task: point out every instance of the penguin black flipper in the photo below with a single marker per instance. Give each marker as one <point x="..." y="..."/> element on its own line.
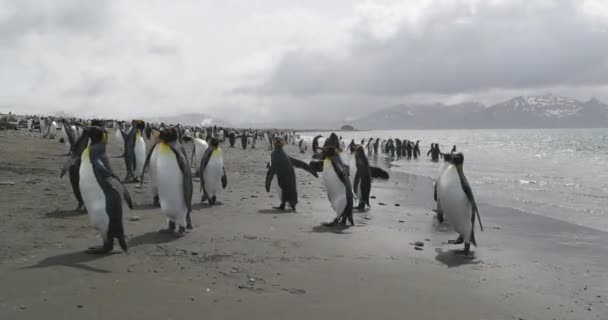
<point x="303" y="165"/>
<point x="76" y="151"/>
<point x="70" y="134"/>
<point x="269" y="175"/>
<point x="184" y="166"/>
<point x="147" y="163"/>
<point x="224" y="179"/>
<point x="102" y="169"/>
<point x="204" y="162"/>
<point x="315" y="143"/>
<point x="316" y="166"/>
<point x="378" y="173"/>
<point x="342" y="174"/>
<point x="113" y="191"/>
<point x="467" y="190"/>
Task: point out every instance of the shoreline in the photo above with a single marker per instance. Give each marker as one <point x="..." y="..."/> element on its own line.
<point x="529" y="267"/>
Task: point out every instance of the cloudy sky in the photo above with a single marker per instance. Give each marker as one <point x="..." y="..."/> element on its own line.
<point x="280" y="60"/>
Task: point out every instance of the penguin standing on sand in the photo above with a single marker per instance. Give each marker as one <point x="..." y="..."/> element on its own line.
<point x="72" y="166"/>
<point x="174" y="180"/>
<point x="135" y="150"/>
<point x="52" y="130"/>
<point x="212" y="172"/>
<point x="232" y="138"/>
<point x="361" y="174"/>
<point x="336" y="181"/>
<point x="303" y="146"/>
<point x="200" y="147"/>
<point x="458" y="203"/>
<point x="282" y="166"/>
<point x="102" y="192"/>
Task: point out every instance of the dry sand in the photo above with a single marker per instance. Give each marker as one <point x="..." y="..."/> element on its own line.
<point x="244" y="260"/>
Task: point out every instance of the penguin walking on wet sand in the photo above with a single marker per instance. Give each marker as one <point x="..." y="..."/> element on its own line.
<point x="458" y="202"/>
<point x="212" y="173"/>
<point x="102" y="192"/>
<point x="282" y="167"/>
<point x="174" y="180"/>
<point x="361" y="175"/>
<point x="336" y="181"/>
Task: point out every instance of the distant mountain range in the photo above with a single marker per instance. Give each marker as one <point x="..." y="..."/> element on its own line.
<point x="194" y="119"/>
<point x="546" y="111"/>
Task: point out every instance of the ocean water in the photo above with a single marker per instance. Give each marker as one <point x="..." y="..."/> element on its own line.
<point x="559" y="173"/>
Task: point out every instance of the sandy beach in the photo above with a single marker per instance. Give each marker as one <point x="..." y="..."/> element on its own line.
<point x="245" y="260"/>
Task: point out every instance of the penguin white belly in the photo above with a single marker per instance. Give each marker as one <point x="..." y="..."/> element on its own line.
<point x="200" y="146"/>
<point x="170" y="186"/>
<point x="336" y="191"/>
<point x="53" y="130"/>
<point x="454" y="202"/>
<point x="213" y="174"/>
<point x="352" y="173"/>
<point x="140" y="155"/>
<point x="93" y="196"/>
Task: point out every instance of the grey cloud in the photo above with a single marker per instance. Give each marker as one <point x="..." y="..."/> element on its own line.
<point x="71" y="16"/>
<point x="522" y="46"/>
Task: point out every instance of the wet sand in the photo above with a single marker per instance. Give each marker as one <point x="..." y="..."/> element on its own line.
<point x="245" y="260"/>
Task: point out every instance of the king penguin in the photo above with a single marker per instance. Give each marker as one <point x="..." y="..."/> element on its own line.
<point x="135" y="150"/>
<point x="52" y="130"/>
<point x="200" y="147"/>
<point x="212" y="173"/>
<point x="447" y="159"/>
<point x="102" y="192"/>
<point x="303" y="146"/>
<point x="336" y="181"/>
<point x="458" y="203"/>
<point x="361" y="174"/>
<point x="72" y="166"/>
<point x="282" y="166"/>
<point x="174" y="180"/>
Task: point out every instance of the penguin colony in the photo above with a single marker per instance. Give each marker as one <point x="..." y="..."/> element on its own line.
<point x="343" y="165"/>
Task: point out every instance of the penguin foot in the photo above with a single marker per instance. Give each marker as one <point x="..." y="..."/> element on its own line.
<point x="181" y="232"/>
<point x="281" y="207"/>
<point x="204" y="198"/>
<point x="170" y="229"/>
<point x="459" y="240"/>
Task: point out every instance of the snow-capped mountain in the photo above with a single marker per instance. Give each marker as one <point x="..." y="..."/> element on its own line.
<point x="547" y="111"/>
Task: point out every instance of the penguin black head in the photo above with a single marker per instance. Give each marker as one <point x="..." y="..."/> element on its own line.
<point x="457" y="159"/>
<point x="97" y="134"/>
<point x="279" y="143"/>
<point x="139" y="124"/>
<point x="359" y="150"/>
<point x="168" y="134"/>
<point x="214" y="142"/>
<point x="332" y="141"/>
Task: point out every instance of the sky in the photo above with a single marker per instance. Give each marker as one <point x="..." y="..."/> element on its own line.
<point x="293" y="61"/>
